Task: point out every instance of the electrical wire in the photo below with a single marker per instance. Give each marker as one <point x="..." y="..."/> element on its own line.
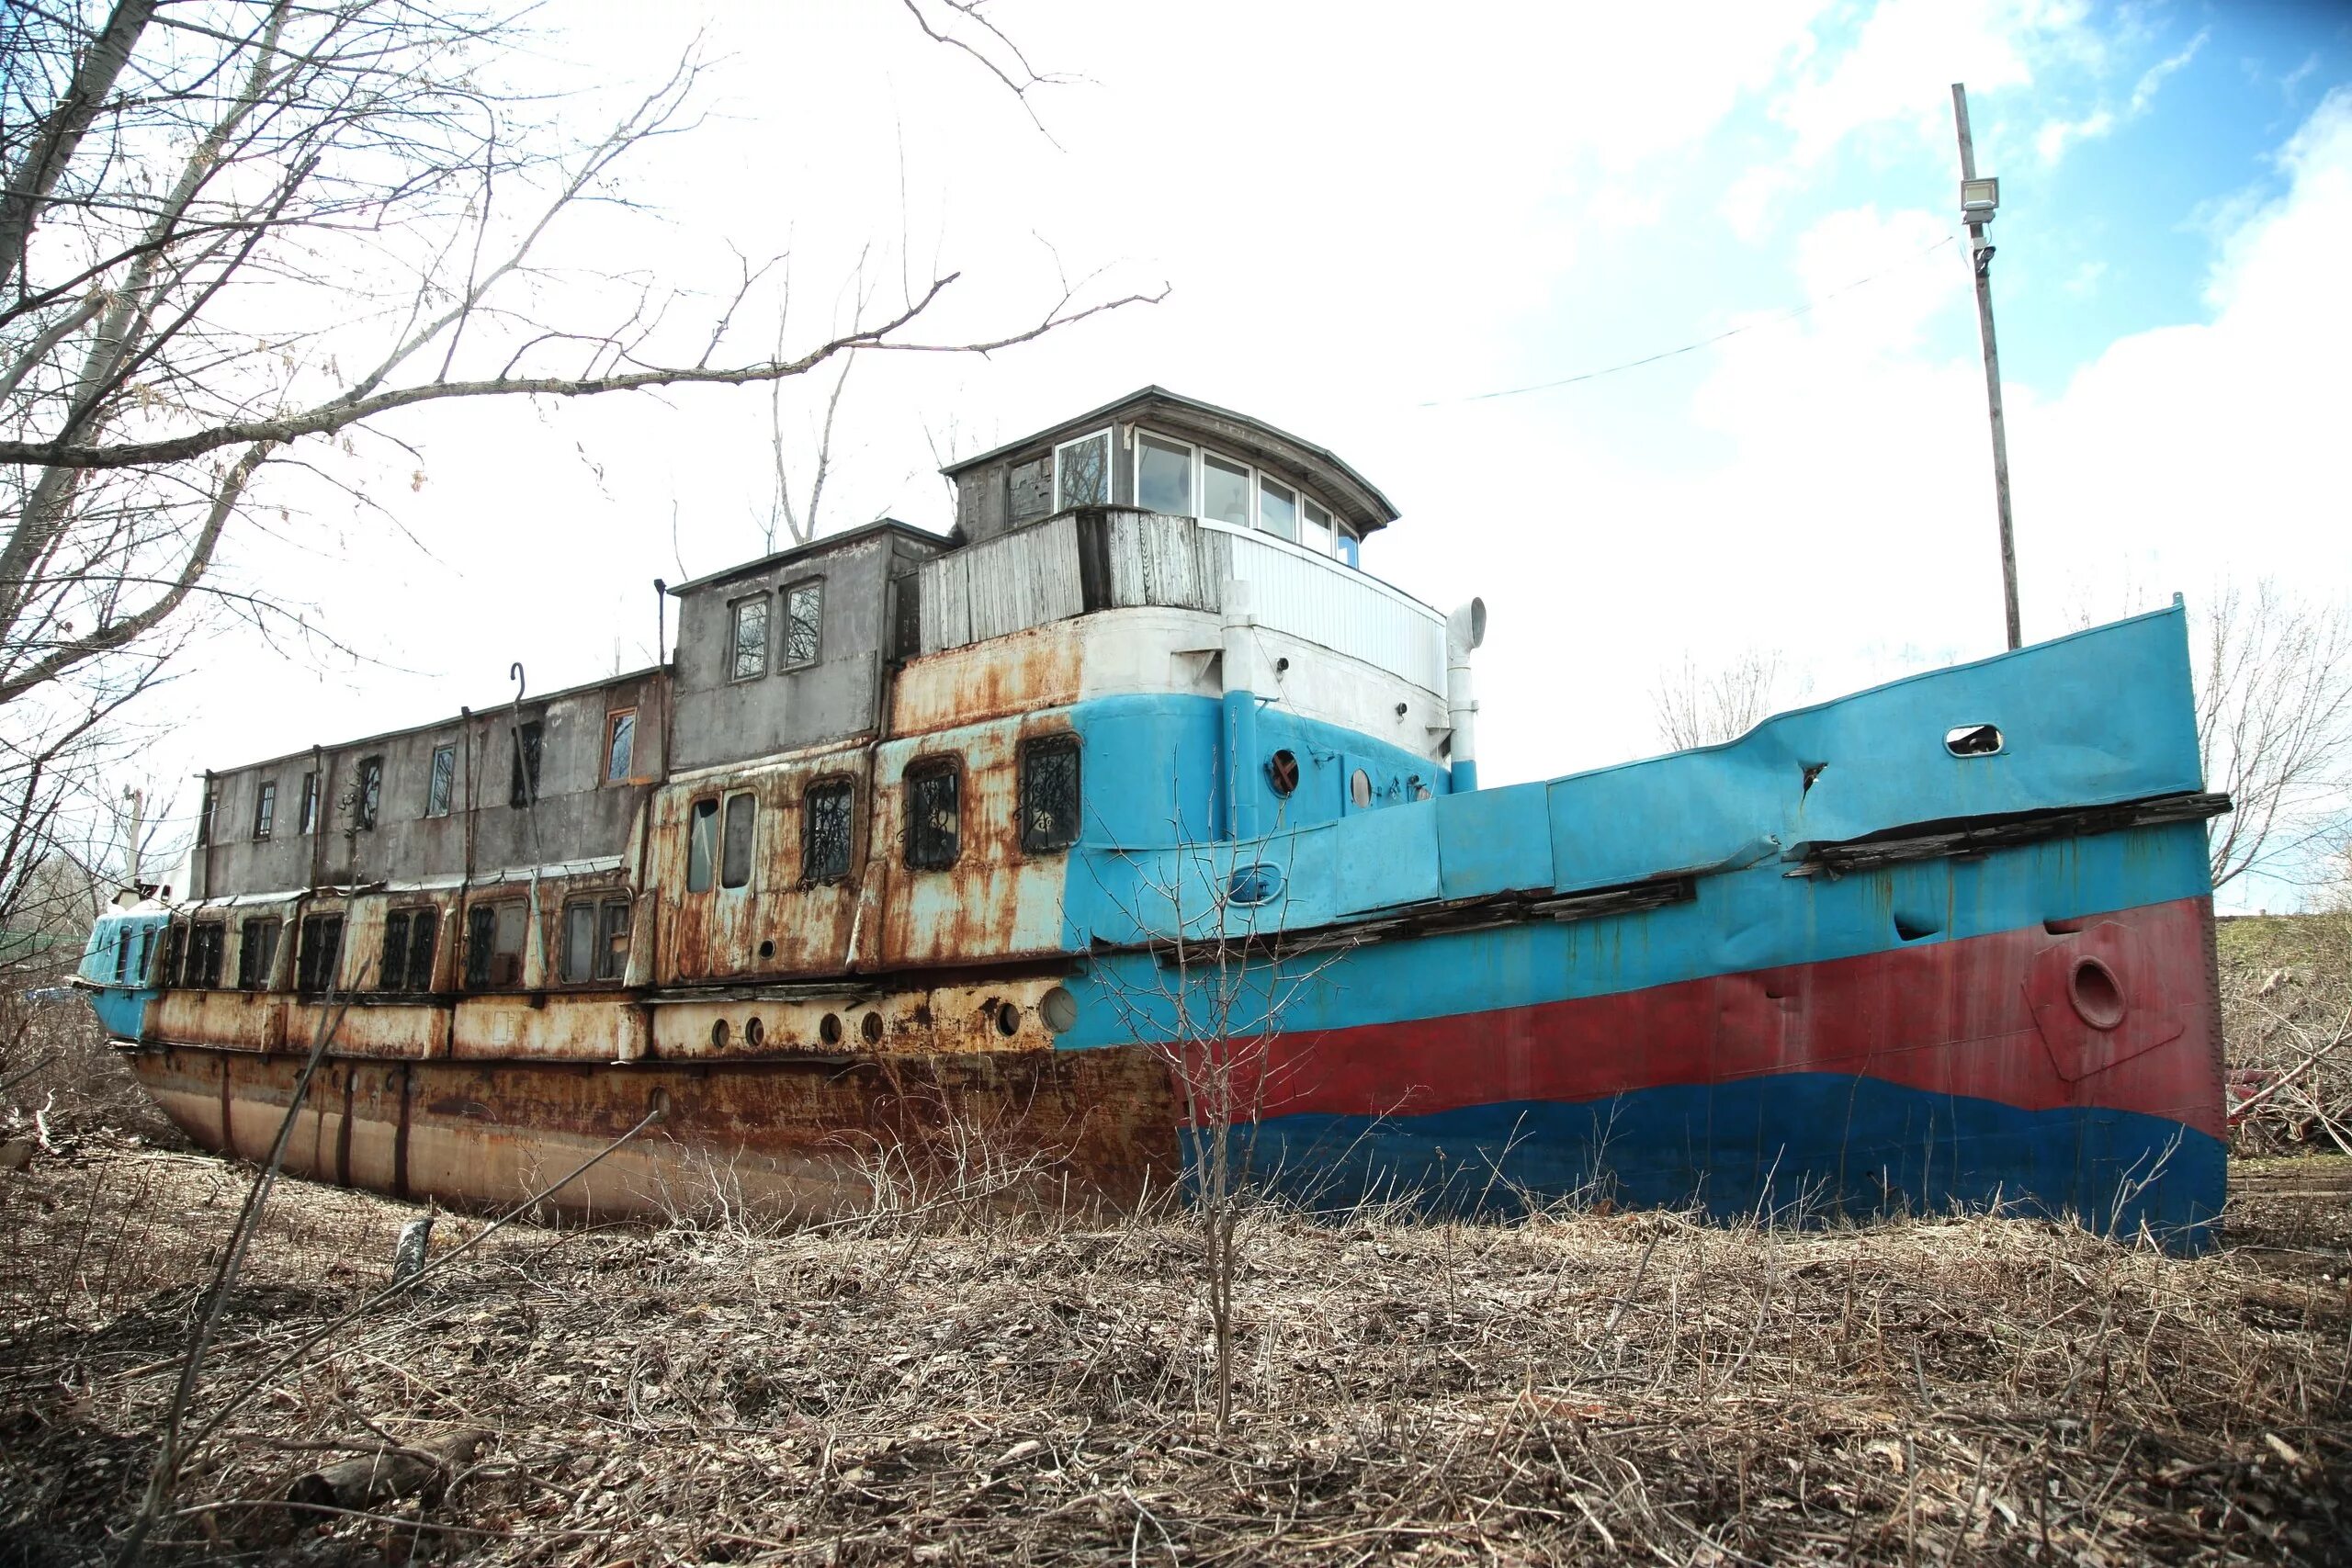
<point x="1806" y="309"/>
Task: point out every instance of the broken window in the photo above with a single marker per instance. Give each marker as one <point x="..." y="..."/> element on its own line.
<point x="204" y="815"/>
<point x="804" y="615"/>
<point x="442" y="786"/>
<point x="595" y="939"/>
<point x="494" y="934"/>
<point x="522" y="770"/>
<point x="1163" y="476"/>
<point x="207" y="942"/>
<point x="620" y="744"/>
<point x="407" y="960"/>
<point x="1049" y="800"/>
<point x="146" y="955"/>
<point x="174" y="954"/>
<point x="309" y="803"/>
<point x="1082" y="471"/>
<point x="1032" y="484"/>
<point x="257" y="953"/>
<point x="751" y="640"/>
<point x="702" y="845"/>
<point x="735" y="859"/>
<point x="316" y="954"/>
<point x="827" y="827"/>
<point x="934" y="816"/>
<point x="265" y="808"/>
<point x="367" y="792"/>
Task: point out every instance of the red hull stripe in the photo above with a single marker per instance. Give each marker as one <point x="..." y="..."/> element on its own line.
<point x="2028" y="1018"/>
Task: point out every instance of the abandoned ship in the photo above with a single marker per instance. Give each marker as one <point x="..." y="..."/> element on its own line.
<point x="1135" y="809"/>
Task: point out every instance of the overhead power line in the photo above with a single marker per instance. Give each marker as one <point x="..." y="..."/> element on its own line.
<point x="1806" y="309"/>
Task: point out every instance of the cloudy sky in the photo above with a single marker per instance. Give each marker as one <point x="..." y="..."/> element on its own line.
<point x="1368" y="217"/>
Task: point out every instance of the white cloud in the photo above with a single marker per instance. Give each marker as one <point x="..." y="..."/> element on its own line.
<point x="2144" y="96"/>
<point x="2055" y="135"/>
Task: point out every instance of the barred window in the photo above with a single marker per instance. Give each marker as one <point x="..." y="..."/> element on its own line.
<point x="827" y="831"/>
<point x="494" y="945"/>
<point x="750" y="647"/>
<point x="257" y="953"/>
<point x="175" y="955"/>
<point x="735" y="856"/>
<point x="934" y="816"/>
<point x="804" y="618"/>
<point x="1049" y="798"/>
<point x="316" y="954"/>
<point x="208" y="941"/>
<point x="407" y="960"/>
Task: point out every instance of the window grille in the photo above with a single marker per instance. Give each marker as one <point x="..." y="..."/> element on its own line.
<point x="934" y="819"/>
<point x="1049" y="795"/>
<point x="828" y="830"/>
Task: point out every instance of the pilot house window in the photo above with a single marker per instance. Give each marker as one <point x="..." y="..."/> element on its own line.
<point x="825" y="830"/>
<point x="935" y="820"/>
<point x="1082" y="471"/>
<point x="1049" y="800"/>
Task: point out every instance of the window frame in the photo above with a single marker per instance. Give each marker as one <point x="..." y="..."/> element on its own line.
<point x="265" y="810"/>
<point x="1067" y="743"/>
<point x="1304" y="495"/>
<point x="1192" y="451"/>
<point x="950" y="768"/>
<point x="735" y="608"/>
<point x="405" y="981"/>
<point x="526" y="758"/>
<point x="207" y="949"/>
<point x="490" y="912"/>
<point x="613" y="718"/>
<point x="273" y="927"/>
<point x="600" y="909"/>
<point x="784" y="596"/>
<point x="829" y="783"/>
<point x="696" y="815"/>
<point x="440" y="796"/>
<point x="309" y="983"/>
<point x="310" y="817"/>
<point x="368" y="792"/>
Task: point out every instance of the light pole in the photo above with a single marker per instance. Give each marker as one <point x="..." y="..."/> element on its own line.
<point x="1979" y="199"/>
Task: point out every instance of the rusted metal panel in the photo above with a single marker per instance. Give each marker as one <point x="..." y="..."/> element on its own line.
<point x="809" y="1138"/>
<point x="996" y="1016"/>
<point x="537" y="1026"/>
<point x="1023" y="673"/>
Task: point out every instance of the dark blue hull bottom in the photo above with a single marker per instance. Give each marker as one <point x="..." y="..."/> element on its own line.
<point x="1792" y="1148"/>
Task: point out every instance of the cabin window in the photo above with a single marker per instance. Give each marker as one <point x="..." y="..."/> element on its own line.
<point x="1049" y="798"/>
<point x="310" y="804"/>
<point x="257" y="953"/>
<point x="523" y="767"/>
<point x="735" y="850"/>
<point x="441" y="786"/>
<point x="934" y="816"/>
<point x="368" y="792"/>
<point x="1315" y="527"/>
<point x="407" y="960"/>
<point x="174" y="954"/>
<point x="804" y="618"/>
<point x="121" y="954"/>
<point x="827" y="827"/>
<point x="206" y="942"/>
<point x="702" y="845"/>
<point x="1163" y="476"/>
<point x="494" y="934"/>
<point x="265" y="808"/>
<point x="1277" y="509"/>
<point x="595" y="939"/>
<point x="1224" y="490"/>
<point x="620" y="744"/>
<point x="1082" y="471"/>
<point x="316" y="954"/>
<point x="204" y="815"/>
<point x="749" y="644"/>
<point x="143" y="975"/>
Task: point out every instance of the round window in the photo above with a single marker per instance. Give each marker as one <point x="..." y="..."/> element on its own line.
<point x="1059" y="1010"/>
<point x="829" y="1028"/>
<point x="1282" y="773"/>
<point x="1360" y="789"/>
<point x="2096" y="994"/>
<point x="872" y="1029"/>
<point x="718" y="1034"/>
<point x="755" y="1034"/>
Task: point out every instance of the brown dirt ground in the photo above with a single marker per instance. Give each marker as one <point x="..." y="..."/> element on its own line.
<point x="923" y="1387"/>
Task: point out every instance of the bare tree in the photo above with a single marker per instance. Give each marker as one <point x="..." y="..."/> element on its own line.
<point x="234" y="234"/>
<point x="2274" y="728"/>
<point x="1696" y="707"/>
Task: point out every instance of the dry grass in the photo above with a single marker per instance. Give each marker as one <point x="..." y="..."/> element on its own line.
<point x="2287" y="1016"/>
<point x="1588" y="1386"/>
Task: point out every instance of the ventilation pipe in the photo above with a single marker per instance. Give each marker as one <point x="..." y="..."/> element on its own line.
<point x="1464" y="630"/>
<point x="1240" y="667"/>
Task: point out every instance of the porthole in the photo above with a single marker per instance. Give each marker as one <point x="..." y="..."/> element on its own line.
<point x="1282" y="773"/>
<point x="1008" y="1019"/>
<point x="1974" y="740"/>
<point x="871" y="1028"/>
<point x="767" y="949"/>
<point x="718" y="1034"/>
<point x="657" y="1104"/>
<point x="1057" y="1009"/>
<point x="1360" y="789"/>
<point x="755" y="1034"/>
<point x="2096" y="994"/>
<point x="829" y="1028"/>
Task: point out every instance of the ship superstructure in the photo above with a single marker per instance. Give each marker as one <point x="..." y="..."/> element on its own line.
<point x="919" y="840"/>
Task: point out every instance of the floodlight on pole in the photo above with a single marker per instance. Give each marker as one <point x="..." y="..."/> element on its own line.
<point x="1979" y="199"/>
